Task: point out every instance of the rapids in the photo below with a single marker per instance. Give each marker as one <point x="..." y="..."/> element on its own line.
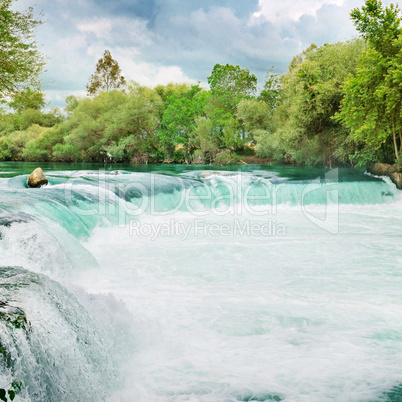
<point x="178" y="283"/>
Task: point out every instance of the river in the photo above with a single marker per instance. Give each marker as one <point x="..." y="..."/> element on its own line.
<point x="201" y="283"/>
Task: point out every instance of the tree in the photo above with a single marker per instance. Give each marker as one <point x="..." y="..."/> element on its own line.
<point x="229" y="84"/>
<point x="179" y="119"/>
<point x="71" y="103"/>
<point x="379" y="26"/>
<point x="107" y="75"/>
<point x="271" y="92"/>
<point x="255" y="115"/>
<point x="21" y="64"/>
<point x="28" y="98"/>
<point x="310" y="98"/>
<point x="372" y="104"/>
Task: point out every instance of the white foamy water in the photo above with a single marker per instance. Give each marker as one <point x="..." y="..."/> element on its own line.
<point x="301" y="315"/>
<point x="220" y="287"/>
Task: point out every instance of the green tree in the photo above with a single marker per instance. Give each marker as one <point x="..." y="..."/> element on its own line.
<point x="170" y="90"/>
<point x="205" y="140"/>
<point x="107" y="75"/>
<point x="87" y="125"/>
<point x="112" y="126"/>
<point x="21" y="63"/>
<point x="13" y="146"/>
<point x="372" y="105"/>
<point x="229" y="84"/>
<point x="41" y="148"/>
<point x="379" y="26"/>
<point x="71" y="103"/>
<point x="255" y="115"/>
<point x="271" y="92"/>
<point x="179" y="122"/>
<point x="28" y="98"/>
<point x="310" y="98"/>
<point x="131" y="133"/>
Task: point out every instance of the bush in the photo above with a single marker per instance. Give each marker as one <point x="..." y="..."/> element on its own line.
<point x="225" y="157"/>
<point x="65" y="153"/>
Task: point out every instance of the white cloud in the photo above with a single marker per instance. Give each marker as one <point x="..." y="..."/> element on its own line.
<point x="166" y="74"/>
<point x="112" y="29"/>
<point x="288" y="10"/>
<point x="100" y="27"/>
<point x="148" y="74"/>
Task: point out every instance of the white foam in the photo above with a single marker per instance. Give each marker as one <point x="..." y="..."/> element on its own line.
<point x="306" y="316"/>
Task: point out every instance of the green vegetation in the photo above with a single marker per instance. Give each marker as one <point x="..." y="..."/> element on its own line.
<point x="372" y="105"/>
<point x="10" y="391"/>
<point x="337" y="104"/>
<point x="20" y="61"/>
<point x="304" y="129"/>
<point x="13" y="389"/>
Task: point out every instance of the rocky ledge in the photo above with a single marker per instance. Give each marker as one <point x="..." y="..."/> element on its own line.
<point x="384" y="169"/>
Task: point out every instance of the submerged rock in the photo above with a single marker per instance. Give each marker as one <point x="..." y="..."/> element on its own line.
<point x="37" y="178"/>
<point x="8" y="220"/>
<point x="13" y="315"/>
<point x="208" y="174"/>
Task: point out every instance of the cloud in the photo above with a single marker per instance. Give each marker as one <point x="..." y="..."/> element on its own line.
<point x="157" y="41"/>
<point x="281" y="11"/>
<point x="100" y="27"/>
<point x="145" y="73"/>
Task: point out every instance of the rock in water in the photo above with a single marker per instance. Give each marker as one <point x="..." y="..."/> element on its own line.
<point x="392" y="171"/>
<point x="13" y="315"/>
<point x="379" y="169"/>
<point x="396" y="179"/>
<point x="37" y="178"/>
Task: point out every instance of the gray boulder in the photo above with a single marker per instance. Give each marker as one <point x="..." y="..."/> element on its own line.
<point x="392" y="171"/>
<point x="396" y="179"/>
<point x="379" y="169"/>
<point x="37" y="178"/>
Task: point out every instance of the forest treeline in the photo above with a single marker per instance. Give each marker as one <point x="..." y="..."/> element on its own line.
<point x="338" y="104"/>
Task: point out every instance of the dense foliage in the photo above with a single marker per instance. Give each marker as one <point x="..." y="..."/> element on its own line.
<point x="337" y="104"/>
<point x="20" y="61"/>
<point x="311" y="92"/>
<point x="173" y="123"/>
<point x="372" y="106"/>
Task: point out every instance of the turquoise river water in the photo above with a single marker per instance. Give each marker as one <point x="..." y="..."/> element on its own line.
<point x="200" y="283"/>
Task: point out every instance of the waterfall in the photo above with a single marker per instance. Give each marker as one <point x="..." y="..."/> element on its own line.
<point x="237" y="284"/>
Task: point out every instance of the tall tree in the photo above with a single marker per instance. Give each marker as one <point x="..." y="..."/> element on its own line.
<point x="372" y="105"/>
<point x="107" y="75"/>
<point x="179" y="119"/>
<point x="21" y="63"/>
<point x="229" y="84"/>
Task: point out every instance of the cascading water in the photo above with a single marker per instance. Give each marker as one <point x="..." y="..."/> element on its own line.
<point x="183" y="284"/>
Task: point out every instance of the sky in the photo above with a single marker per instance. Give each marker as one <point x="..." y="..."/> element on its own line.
<point x="162" y="41"/>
